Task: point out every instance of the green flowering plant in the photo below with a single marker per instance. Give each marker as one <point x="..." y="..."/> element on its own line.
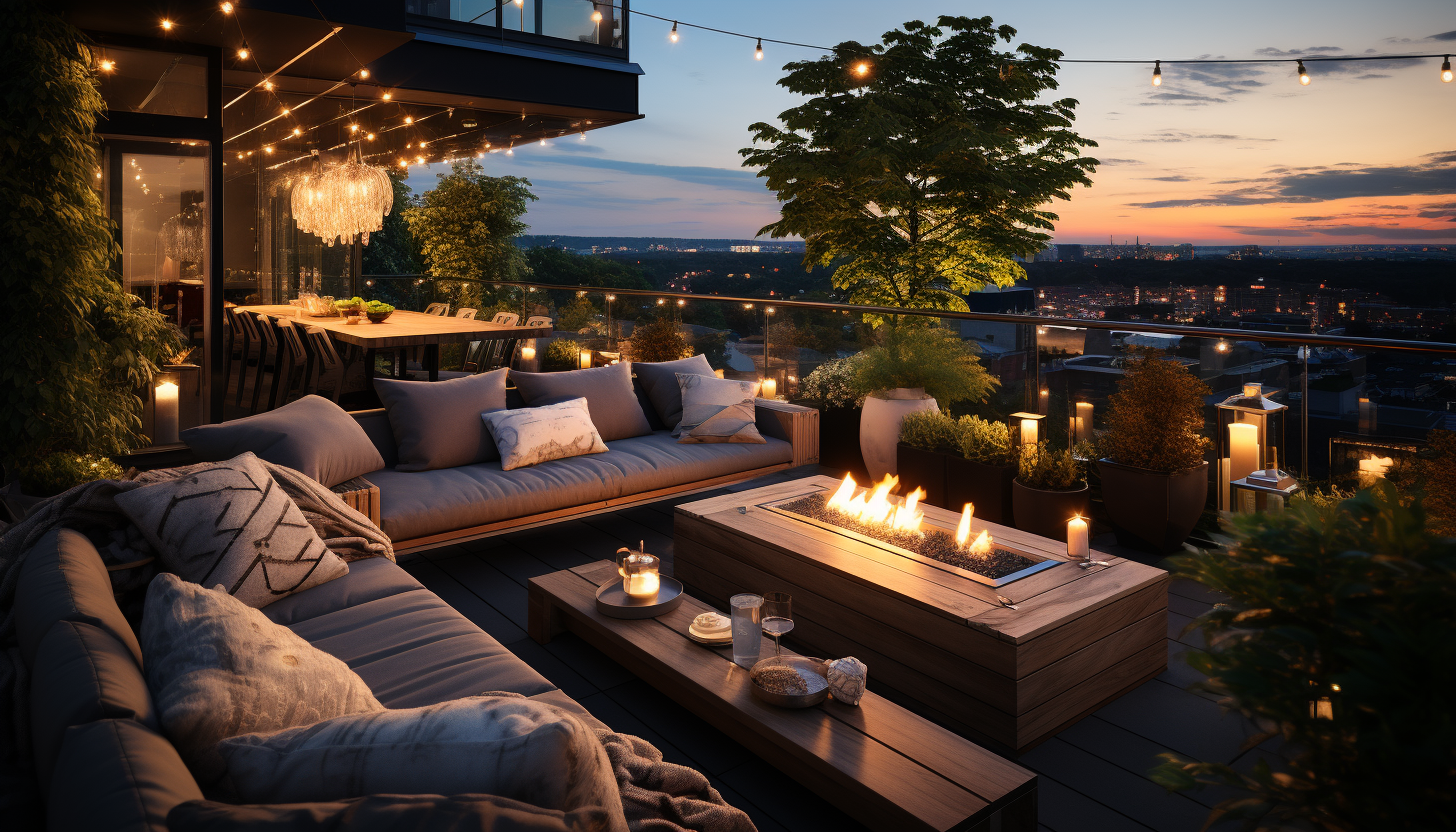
<point x="836" y="383"/>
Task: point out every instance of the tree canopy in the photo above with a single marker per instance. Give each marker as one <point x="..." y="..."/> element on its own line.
<point x="466" y="226"/>
<point x="392" y="249"/>
<point x="553" y="265"/>
<point x="925" y="161"/>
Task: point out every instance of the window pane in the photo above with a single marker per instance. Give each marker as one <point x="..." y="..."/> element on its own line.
<point x="161" y="83"/>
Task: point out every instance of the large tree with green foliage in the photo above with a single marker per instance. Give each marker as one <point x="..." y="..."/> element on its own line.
<point x="925" y="162"/>
<point x="392" y="249"/>
<point x="553" y="265"/>
<point x="466" y="227"/>
<point x="76" y="346"/>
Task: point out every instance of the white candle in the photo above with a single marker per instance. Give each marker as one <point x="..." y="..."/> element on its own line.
<point x="586" y="359"/>
<point x="164" y="421"/>
<point x="1028" y="431"/>
<point x="770" y="388"/>
<point x="528" y="353"/>
<point x="1077" y="539"/>
<point x="1082" y="422"/>
<point x="1374" y="468"/>
<point x="642" y="584"/>
<point x="1243" y="450"/>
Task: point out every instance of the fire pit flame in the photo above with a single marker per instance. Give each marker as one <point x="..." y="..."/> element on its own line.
<point x="875" y="507"/>
<point x="963" y="531"/>
<point x="981" y="545"/>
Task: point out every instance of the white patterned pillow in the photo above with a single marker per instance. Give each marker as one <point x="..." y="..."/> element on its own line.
<point x="217" y="668"/>
<point x="704" y="397"/>
<point x="531" y="435"/>
<point x="230" y="523"/>
<point x="507" y="746"/>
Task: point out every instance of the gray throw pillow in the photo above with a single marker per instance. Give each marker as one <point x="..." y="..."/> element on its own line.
<point x="510" y="747"/>
<point x="659" y="380"/>
<point x="437" y="423"/>
<point x="231" y="524"/>
<point x="704" y="396"/>
<point x="312" y="435"/>
<point x="532" y="435"/>
<point x="607" y="390"/>
<point x="384" y="813"/>
<point x="732" y="424"/>
<point x="218" y="668"/>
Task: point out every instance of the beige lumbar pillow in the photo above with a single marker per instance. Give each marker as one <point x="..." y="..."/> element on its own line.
<point x="510" y="747"/>
<point x="717" y="410"/>
<point x="217" y="668"/>
<point x="532" y="435"/>
<point x="231" y="524"/>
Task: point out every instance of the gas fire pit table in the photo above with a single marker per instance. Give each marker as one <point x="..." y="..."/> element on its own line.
<point x="935" y="636"/>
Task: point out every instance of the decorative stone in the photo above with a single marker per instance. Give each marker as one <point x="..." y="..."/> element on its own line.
<point x="847" y="679"/>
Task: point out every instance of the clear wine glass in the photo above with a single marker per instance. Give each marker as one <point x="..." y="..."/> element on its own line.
<point x="777" y="616"/>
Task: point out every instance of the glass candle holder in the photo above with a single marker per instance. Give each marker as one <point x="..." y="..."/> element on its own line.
<point x="640" y="578"/>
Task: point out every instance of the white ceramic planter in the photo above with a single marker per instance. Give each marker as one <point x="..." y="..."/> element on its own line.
<point x="879" y="426"/>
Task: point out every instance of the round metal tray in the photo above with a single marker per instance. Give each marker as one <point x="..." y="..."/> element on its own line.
<point x="612" y="601"/>
<point x="785" y="700"/>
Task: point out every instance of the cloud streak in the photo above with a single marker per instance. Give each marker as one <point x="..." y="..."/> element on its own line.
<point x="1434" y="176"/>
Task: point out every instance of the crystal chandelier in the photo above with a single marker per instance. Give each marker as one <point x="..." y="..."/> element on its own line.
<point x="340" y="201"/>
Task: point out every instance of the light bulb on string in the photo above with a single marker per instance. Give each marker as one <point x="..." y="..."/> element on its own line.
<point x="1446" y="70"/>
<point x="369" y="136"/>
<point x="409" y="119"/>
<point x="227" y="8"/>
<point x="511" y="151"/>
<point x="106" y="65"/>
<point x="167" y="25"/>
<point x="268" y="85"/>
<point x="596" y="14"/>
<point x="543" y="142"/>
<point x="243" y="53"/>
<point x="363" y="73"/>
<point x="298" y="131"/>
<point x="386" y="95"/>
<point x="1157" y="73"/>
<point x="583" y="135"/>
<point x="862" y="68"/>
<point x="268" y="148"/>
<point x="1303" y="74"/>
<point x="758" y="50"/>
<point x="672" y="36"/>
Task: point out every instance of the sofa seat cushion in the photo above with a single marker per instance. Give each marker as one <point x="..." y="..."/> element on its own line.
<point x="118" y="775"/>
<point x="63" y="579"/>
<point x="418" y="504"/>
<point x="413" y="649"/>
<point x="384" y="813"/>
<point x="82" y="674"/>
<point x="368" y="580"/>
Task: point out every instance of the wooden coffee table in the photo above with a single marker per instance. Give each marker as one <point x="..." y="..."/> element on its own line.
<point x="878" y="762"/>
<point x="932" y="638"/>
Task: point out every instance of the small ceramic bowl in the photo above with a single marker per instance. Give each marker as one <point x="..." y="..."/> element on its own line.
<point x="379" y="317"/>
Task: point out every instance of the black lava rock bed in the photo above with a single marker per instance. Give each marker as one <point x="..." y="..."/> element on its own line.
<point x="930" y="543"/>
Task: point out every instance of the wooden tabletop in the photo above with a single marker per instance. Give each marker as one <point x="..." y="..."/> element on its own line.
<point x="402" y="329"/>
<point x="876" y="761"/>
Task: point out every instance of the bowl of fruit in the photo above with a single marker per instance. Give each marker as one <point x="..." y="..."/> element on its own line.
<point x="378" y="311"/>
<point x="352" y="309"/>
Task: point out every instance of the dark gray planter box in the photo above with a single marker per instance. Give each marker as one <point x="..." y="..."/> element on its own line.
<point x="1152" y="510"/>
<point x="918" y="468"/>
<point x="987" y="487"/>
<point x="839" y="440"/>
<point x="1045" y="513"/>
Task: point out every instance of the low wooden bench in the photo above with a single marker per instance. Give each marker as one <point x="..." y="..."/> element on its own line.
<point x="877" y="761"/>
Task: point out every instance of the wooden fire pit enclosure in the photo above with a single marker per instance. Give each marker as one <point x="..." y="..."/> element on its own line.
<point x="935" y="640"/>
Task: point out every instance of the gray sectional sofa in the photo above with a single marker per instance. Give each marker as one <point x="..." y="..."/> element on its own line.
<point x="99" y="753"/>
<point x="419" y="509"/>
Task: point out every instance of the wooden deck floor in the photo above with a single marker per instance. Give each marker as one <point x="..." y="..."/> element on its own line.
<point x="1093" y="775"/>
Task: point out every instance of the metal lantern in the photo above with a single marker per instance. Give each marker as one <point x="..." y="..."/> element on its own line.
<point x="1251" y="436"/>
<point x="1025" y="428"/>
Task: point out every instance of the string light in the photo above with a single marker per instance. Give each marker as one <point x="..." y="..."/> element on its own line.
<point x="672" y="36"/>
<point x="268" y="148"/>
<point x="387" y="95"/>
<point x="227" y="8"/>
<point x="1303" y="74"/>
<point x="369" y="136"/>
<point x="107" y="65"/>
<point x="166" y="25"/>
<point x="862" y="68"/>
<point x="1157" y="73"/>
<point x="583" y="135"/>
<point x="596" y="14"/>
<point x="298" y="131"/>
<point x="268" y="85"/>
<point x="243" y="53"/>
<point x="1446" y="70"/>
<point x="363" y="73"/>
<point x="409" y="119"/>
<point x="758" y="50"/>
<point x="353" y="128"/>
<point x="511" y="151"/>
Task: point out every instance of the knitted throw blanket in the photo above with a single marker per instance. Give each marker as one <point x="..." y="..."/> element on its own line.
<point x="91" y="510"/>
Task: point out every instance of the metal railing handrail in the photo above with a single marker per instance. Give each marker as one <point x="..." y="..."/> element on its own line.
<point x="1307" y="339"/>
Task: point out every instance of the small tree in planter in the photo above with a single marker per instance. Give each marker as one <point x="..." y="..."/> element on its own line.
<point x="1154" y="476"/>
<point x="914" y="368"/>
<point x="1050" y="489"/>
<point x="982" y="472"/>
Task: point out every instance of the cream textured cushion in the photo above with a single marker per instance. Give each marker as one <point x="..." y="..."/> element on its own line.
<point x="531" y="435"/>
<point x="217" y="668"/>
<point x="506" y="746"/>
<point x="231" y="524"/>
<point x="704" y="397"/>
<point x="659" y="381"/>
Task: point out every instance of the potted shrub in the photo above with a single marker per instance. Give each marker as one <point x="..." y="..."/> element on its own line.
<point x="927" y="440"/>
<point x="1050" y="488"/>
<point x="1154" y="476"/>
<point x="982" y="472"/>
<point x="833" y="388"/>
<point x="914" y="369"/>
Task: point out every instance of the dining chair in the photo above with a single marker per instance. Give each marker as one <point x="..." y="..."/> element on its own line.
<point x="269" y="358"/>
<point x="295" y="368"/>
<point x="489" y="352"/>
<point x="538" y="320"/>
<point x="441" y="309"/>
<point x="505" y="319"/>
<point x="252" y="350"/>
<point x="466" y="312"/>
<point x="330" y="367"/>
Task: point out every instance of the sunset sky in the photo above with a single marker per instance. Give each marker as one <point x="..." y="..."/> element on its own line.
<point x="1217" y="154"/>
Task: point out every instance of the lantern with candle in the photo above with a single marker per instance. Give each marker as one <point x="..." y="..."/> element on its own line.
<point x="164" y="414"/>
<point x="1079" y="423"/>
<point x="640" y="573"/>
<point x="1251" y="437"/>
<point x="586" y="359"/>
<point x="1027" y="426"/>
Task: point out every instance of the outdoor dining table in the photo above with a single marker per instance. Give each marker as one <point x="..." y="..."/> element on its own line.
<point x="403" y="329"/>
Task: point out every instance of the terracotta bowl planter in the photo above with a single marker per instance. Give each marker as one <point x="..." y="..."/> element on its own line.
<point x="987" y="487"/>
<point x="1045" y="513"/>
<point x="879" y="426"/>
<point x="1152" y="510"/>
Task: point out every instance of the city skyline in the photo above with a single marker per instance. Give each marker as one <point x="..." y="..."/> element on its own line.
<point x="1217" y="155"/>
